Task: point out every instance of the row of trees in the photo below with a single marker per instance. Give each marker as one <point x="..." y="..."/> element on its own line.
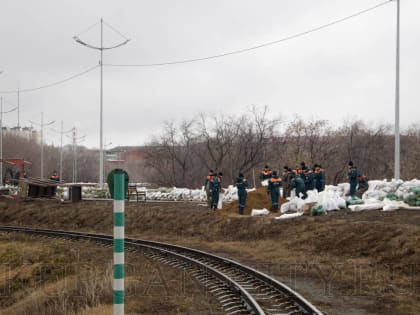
<point x="184" y="152"/>
<point x="87" y="168"/>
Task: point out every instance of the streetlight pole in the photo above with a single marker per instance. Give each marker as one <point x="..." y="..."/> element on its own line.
<point x="101" y="49"/>
<point x="42" y="125"/>
<point x="61" y="132"/>
<point x="75" y="140"/>
<point x="397" y="100"/>
<point x="1" y="136"/>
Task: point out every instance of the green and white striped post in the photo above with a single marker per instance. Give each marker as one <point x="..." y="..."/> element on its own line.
<point x="118" y="285"/>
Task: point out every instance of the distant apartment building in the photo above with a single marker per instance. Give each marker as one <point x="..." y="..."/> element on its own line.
<point x="28" y="133"/>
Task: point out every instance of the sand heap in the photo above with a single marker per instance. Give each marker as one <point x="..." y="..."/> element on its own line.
<point x="257" y="199"/>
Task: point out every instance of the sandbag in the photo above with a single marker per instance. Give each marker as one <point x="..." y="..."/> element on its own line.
<point x="289" y="215"/>
<point x="258" y="212"/>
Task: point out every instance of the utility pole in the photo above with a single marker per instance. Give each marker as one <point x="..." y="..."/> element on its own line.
<point x="18" y="107"/>
<point x="101" y="49"/>
<point x="1" y="137"/>
<point x="397" y="100"/>
<point x="61" y="132"/>
<point x="75" y="141"/>
<point x="42" y="125"/>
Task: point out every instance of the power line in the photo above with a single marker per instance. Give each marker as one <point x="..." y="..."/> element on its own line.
<point x="239" y="51"/>
<point x="50" y="84"/>
<point x="243" y="50"/>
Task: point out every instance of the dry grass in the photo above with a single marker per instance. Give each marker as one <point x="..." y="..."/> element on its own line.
<point x="346" y="254"/>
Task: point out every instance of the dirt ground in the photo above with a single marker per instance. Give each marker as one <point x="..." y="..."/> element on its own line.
<point x="344" y="262"/>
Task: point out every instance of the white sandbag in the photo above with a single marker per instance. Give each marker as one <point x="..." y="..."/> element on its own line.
<point x="264" y="183"/>
<point x="390" y="205"/>
<point x="289" y="215"/>
<point x="341" y="203"/>
<point x="259" y="212"/>
<point x="220" y="203"/>
<point x="285" y="207"/>
<point x="371" y="206"/>
<point x="296" y="204"/>
<point x="312" y="196"/>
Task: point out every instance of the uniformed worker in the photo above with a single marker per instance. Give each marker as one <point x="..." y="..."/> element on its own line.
<point x="273" y="189"/>
<point x="309" y="180"/>
<point x="265" y="173"/>
<point x="241" y="185"/>
<point x="209" y="178"/>
<point x="352" y="175"/>
<point x="55" y="178"/>
<point x="285" y="181"/>
<point x="297" y="183"/>
<point x="215" y="188"/>
<point x="319" y="177"/>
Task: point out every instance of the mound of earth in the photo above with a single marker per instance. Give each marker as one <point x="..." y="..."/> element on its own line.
<point x="257" y="199"/>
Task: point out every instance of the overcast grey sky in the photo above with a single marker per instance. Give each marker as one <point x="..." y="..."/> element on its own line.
<point x="344" y="71"/>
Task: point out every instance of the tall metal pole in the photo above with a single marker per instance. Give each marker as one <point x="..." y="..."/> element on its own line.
<point x="62" y="132"/>
<point x="397" y="100"/>
<point x="101" y="49"/>
<point x="18" y="107"/>
<point x="42" y="125"/>
<point x="1" y="137"/>
<point x="1" y="140"/>
<point x="61" y="151"/>
<point x="42" y="145"/>
<point x="75" y="139"/>
<point x="101" y="148"/>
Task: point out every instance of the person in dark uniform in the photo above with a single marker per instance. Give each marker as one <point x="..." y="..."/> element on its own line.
<point x="241" y="185"/>
<point x="285" y="181"/>
<point x="273" y="189"/>
<point x="362" y="186"/>
<point x="298" y="184"/>
<point x="265" y="173"/>
<point x="209" y="178"/>
<point x="55" y="178"/>
<point x="352" y="175"/>
<point x="319" y="177"/>
<point x="303" y="169"/>
<point x="215" y="188"/>
<point x="309" y="179"/>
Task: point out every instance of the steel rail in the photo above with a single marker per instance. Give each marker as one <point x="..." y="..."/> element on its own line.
<point x="209" y="266"/>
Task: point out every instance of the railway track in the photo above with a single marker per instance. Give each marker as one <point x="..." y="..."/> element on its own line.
<point x="238" y="288"/>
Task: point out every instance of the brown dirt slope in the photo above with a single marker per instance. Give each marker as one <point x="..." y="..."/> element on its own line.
<point x="345" y="262"/>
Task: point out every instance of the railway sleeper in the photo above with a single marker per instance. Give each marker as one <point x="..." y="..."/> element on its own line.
<point x="239" y="307"/>
<point x="226" y="298"/>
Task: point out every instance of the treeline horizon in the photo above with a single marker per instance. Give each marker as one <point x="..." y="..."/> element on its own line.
<point x="183" y="153"/>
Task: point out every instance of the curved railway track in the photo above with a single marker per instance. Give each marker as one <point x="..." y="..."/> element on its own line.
<point x="238" y="288"/>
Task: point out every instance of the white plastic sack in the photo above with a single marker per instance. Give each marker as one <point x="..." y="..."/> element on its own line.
<point x="390" y="205"/>
<point x="285" y="207"/>
<point x="258" y="212"/>
<point x="264" y="183"/>
<point x="371" y="206"/>
<point x="289" y="215"/>
<point x="220" y="203"/>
